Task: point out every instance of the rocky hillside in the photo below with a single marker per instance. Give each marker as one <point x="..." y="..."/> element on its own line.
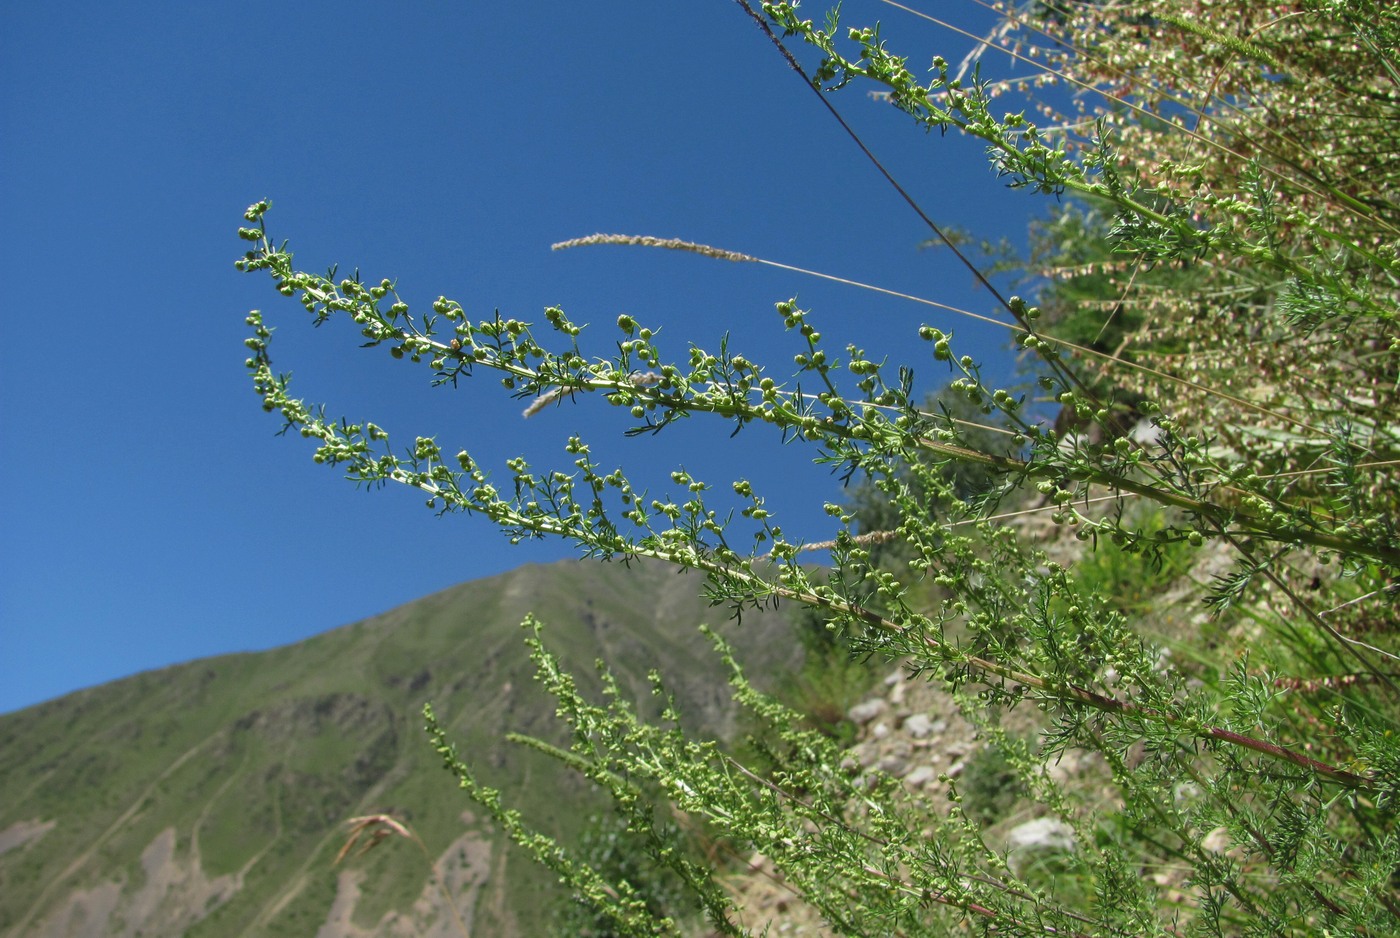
<point x="211" y="798"/>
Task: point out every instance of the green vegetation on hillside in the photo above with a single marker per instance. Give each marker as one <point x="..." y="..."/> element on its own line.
<point x="254" y="763"/>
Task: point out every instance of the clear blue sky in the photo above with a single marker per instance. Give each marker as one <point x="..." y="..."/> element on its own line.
<point x="149" y="514"/>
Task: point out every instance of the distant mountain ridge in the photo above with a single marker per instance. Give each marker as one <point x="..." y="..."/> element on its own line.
<point x="209" y="798"/>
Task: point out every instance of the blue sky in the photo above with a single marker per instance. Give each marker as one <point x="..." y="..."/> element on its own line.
<point x="149" y="514"/>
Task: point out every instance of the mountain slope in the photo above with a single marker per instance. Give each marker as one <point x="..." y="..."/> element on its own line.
<point x="209" y="798"/>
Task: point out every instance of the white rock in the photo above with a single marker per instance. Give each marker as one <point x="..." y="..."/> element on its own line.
<point x="894" y="764"/>
<point x="1046" y="833"/>
<point x="868" y="710"/>
<point x="918" y="726"/>
<point x="1217" y="841"/>
<point x="921" y="776"/>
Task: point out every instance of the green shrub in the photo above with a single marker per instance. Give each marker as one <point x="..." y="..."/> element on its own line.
<point x="1247" y="163"/>
<point x="621" y="858"/>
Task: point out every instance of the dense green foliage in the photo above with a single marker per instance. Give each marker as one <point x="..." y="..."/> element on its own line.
<point x="1230" y="275"/>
